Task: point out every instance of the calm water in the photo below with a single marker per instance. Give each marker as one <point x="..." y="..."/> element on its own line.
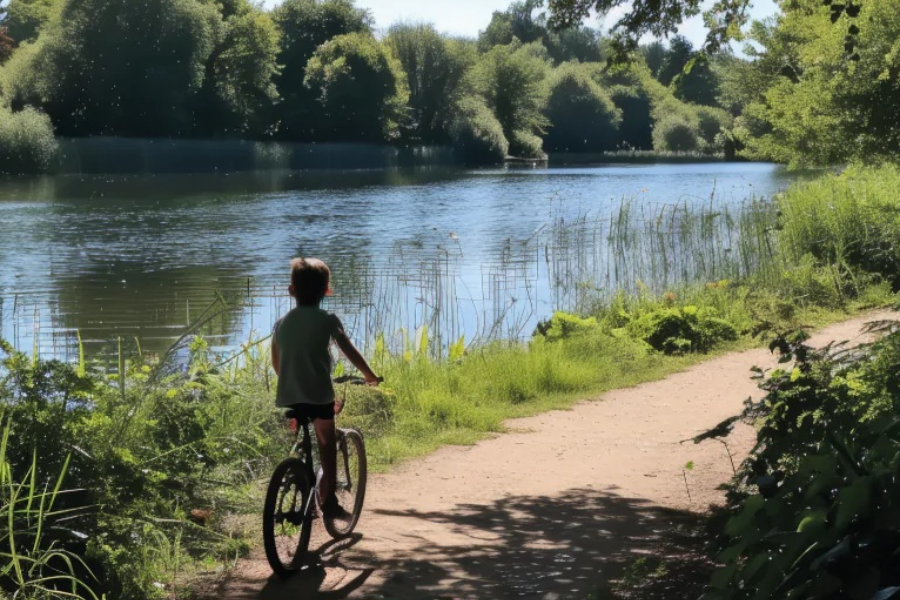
<point x="463" y="252"/>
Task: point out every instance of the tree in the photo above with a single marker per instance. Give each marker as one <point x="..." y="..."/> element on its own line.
<point x="118" y="67"/>
<point x="511" y="80"/>
<point x="521" y="22"/>
<point x="518" y="22"/>
<point x="26" y="17"/>
<point x="238" y="86"/>
<point x="654" y="55"/>
<point x="360" y="87"/>
<point x="831" y="86"/>
<point x="305" y="25"/>
<point x="582" y="116"/>
<point x="656" y="17"/>
<point x="434" y="67"/>
<point x="6" y="45"/>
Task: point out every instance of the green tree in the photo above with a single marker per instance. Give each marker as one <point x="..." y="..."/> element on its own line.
<point x="522" y="22"/>
<point x="434" y="67"/>
<point x="90" y="82"/>
<point x="511" y="80"/>
<point x="6" y="45"/>
<point x="832" y="85"/>
<point x="360" y="87"/>
<point x="477" y="134"/>
<point x="661" y="19"/>
<point x="305" y="25"/>
<point x="582" y="116"/>
<point x="26" y="17"/>
<point x="238" y="88"/>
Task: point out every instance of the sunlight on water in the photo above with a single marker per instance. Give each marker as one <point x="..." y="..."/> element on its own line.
<point x="485" y="254"/>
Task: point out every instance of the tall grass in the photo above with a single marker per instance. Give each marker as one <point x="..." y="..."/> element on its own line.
<point x="34" y="566"/>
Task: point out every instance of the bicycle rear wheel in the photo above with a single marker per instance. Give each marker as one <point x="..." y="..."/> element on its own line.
<point x="350" y="486"/>
<point x="287" y="520"/>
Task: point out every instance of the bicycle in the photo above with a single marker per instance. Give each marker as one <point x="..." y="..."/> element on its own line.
<point x="291" y="503"/>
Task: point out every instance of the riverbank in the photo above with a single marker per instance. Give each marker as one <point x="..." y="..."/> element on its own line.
<point x="157" y="444"/>
<point x="560" y="505"/>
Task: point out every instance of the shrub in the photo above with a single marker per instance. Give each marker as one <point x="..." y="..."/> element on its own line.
<point x="711" y="125"/>
<point x="582" y="116"/>
<point x="477" y="134"/>
<point x="682" y="330"/>
<point x="564" y="325"/>
<point x="27" y="144"/>
<point x="675" y="135"/>
<point x="814" y="510"/>
<point x="523" y="144"/>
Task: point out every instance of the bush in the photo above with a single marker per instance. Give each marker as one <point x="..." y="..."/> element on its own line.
<point x="564" y="325"/>
<point x="675" y="135"/>
<point x="682" y="330"/>
<point x="711" y="125"/>
<point x="582" y="116"/>
<point x="27" y="144"/>
<point x="815" y="510"/>
<point x="477" y="134"/>
<point x="523" y="144"/>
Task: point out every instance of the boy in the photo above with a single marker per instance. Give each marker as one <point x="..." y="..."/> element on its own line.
<point x="302" y="361"/>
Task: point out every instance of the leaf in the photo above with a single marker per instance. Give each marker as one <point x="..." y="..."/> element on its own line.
<point x="853" y="502"/>
<point x="891" y="593"/>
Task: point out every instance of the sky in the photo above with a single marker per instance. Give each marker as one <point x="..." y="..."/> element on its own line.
<point x="468" y="17"/>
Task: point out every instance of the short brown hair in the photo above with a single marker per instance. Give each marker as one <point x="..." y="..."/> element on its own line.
<point x="311" y="279"/>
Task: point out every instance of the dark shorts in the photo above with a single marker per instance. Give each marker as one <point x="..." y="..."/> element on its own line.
<point x="312" y="411"/>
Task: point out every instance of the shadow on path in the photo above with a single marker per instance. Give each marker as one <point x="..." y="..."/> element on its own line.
<point x="537" y="547"/>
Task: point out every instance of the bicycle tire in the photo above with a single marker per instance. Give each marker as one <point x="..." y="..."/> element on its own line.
<point x="350" y="486"/>
<point x="287" y="527"/>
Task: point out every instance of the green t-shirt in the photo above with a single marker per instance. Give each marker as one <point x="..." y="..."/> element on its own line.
<point x="303" y="337"/>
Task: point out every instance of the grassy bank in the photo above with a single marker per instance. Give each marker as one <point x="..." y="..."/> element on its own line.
<point x="164" y="455"/>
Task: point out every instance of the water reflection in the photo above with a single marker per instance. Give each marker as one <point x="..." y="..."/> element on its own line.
<point x="474" y="253"/>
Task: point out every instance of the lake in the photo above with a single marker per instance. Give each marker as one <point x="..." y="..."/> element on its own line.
<point x="480" y="253"/>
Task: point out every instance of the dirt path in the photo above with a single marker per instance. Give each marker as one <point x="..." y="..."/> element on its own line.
<point x="551" y="511"/>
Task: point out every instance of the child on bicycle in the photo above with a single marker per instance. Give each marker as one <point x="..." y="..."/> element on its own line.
<point x="302" y="361"/>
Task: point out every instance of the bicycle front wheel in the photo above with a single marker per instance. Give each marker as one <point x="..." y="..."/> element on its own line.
<point x="287" y="518"/>
<point x="350" y="486"/>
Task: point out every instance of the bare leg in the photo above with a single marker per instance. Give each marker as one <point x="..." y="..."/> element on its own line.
<point x="326" y="436"/>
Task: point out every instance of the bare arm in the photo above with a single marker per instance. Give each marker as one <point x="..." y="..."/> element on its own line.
<point x="353" y="355"/>
<point x="275" y="362"/>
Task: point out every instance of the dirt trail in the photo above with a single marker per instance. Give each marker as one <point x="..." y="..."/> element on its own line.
<point x="550" y="511"/>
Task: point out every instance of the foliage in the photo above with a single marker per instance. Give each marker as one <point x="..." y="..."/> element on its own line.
<point x="662" y="19"/>
<point x="27" y="144"/>
<point x="305" y="25"/>
<point x="511" y="81"/>
<point x="434" y="67"/>
<point x="476" y="133"/>
<point x="680" y="330"/>
<point x="849" y="221"/>
<point x="582" y="116"/>
<point x="336" y="73"/>
<point x="144" y="446"/>
<point x="238" y="83"/>
<point x="6" y="45"/>
<point x="88" y="86"/>
<point x="675" y="135"/>
<point x="26" y="17"/>
<point x="825" y="85"/>
<point x="29" y="520"/>
<point x="815" y="508"/>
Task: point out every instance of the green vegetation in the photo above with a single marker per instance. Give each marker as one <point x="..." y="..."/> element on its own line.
<point x="314" y="71"/>
<point x="164" y="457"/>
<point x="27" y="144"/>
